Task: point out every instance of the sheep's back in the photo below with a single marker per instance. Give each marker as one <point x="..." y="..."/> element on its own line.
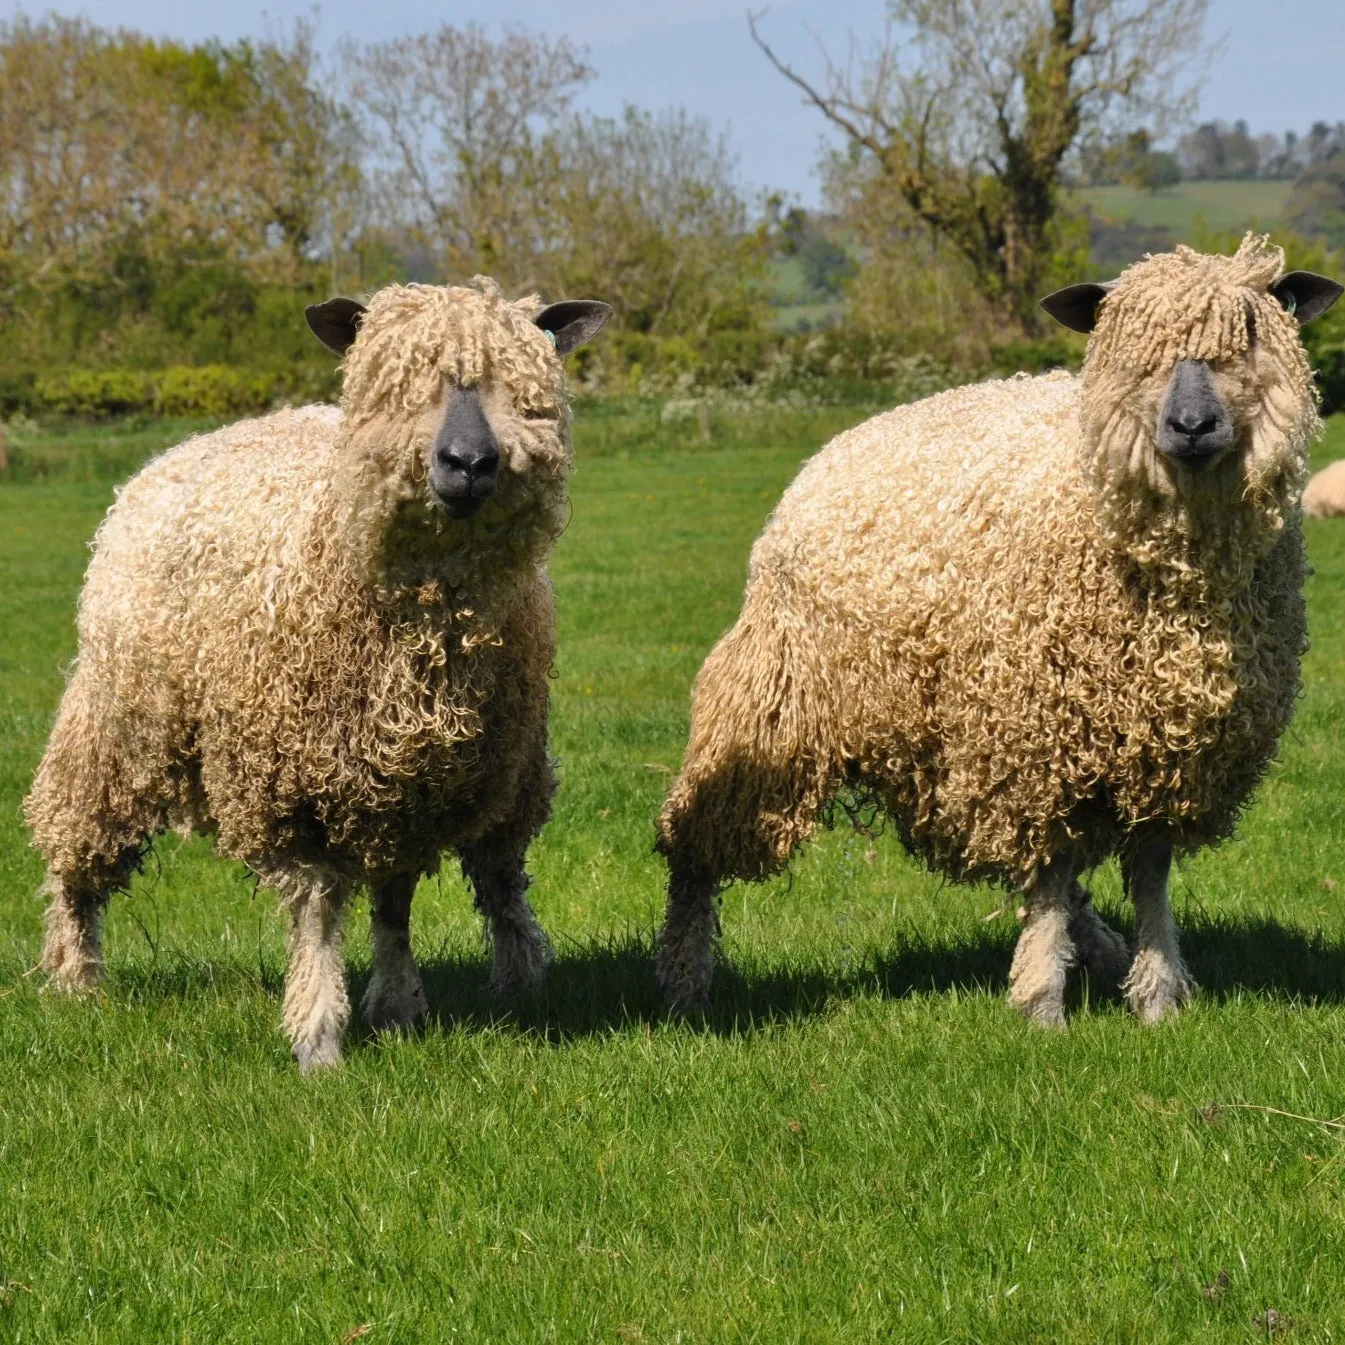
<point x="1013" y="683"/>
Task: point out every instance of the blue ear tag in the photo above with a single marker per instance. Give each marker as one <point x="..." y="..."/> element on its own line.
<point x="551" y="336"/>
<point x="1290" y="302"/>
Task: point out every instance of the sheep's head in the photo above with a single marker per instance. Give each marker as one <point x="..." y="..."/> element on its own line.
<point x="1197" y="403"/>
<point x="456" y="417"/>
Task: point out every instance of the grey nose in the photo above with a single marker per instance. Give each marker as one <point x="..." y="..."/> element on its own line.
<point x="464" y="469"/>
<point x="1194" y="425"/>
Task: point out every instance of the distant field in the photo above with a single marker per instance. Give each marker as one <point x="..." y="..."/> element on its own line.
<point x="1222" y="205"/>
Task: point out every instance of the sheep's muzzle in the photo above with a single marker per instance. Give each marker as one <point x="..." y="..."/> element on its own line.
<point x="465" y="458"/>
<point x="1194" y="426"/>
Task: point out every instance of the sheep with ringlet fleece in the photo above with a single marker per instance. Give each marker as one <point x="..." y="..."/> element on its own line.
<point x="1324" y="496"/>
<point x="1038" y="621"/>
<point x="325" y="636"/>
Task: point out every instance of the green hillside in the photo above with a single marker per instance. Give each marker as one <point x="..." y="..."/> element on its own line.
<point x="1223" y="205"/>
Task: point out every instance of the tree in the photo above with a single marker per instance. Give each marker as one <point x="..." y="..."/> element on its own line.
<point x="454" y="120"/>
<point x="644" y="212"/>
<point x="968" y="109"/>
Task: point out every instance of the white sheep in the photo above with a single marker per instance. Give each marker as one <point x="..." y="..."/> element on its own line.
<point x="1039" y="621"/>
<point x="326" y="637"/>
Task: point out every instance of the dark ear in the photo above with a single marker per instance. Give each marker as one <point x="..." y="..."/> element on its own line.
<point x="335" y="323"/>
<point x="572" y="322"/>
<point x="1305" y="294"/>
<point x="1076" y="306"/>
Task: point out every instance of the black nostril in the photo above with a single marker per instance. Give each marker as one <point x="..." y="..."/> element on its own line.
<point x="1196" y="431"/>
<point x="472" y="460"/>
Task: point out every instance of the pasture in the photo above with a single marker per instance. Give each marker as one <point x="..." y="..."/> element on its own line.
<point x="1223" y="206"/>
<point x="862" y="1143"/>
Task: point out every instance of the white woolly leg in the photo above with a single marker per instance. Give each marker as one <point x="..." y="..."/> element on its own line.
<point x="1045" y="951"/>
<point x="395" y="997"/>
<point x="1097" y="946"/>
<point x="522" y="952"/>
<point x="1158" y="983"/>
<point x="684" y="961"/>
<point x="72" y="954"/>
<point x="316" y="1005"/>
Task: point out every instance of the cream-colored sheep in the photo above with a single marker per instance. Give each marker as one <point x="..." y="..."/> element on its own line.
<point x="325" y="636"/>
<point x="1039" y="621"/>
<point x="1324" y="496"/>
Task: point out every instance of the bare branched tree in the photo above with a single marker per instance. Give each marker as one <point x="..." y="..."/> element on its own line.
<point x="645" y="210"/>
<point x="967" y="109"/>
<point x="453" y="119"/>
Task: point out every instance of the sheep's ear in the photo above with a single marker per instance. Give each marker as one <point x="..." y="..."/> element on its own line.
<point x="1305" y="294"/>
<point x="335" y="323"/>
<point x="572" y="322"/>
<point x="1076" y="306"/>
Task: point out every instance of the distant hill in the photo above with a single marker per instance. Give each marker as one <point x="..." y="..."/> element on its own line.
<point x="1127" y="222"/>
<point x="1223" y="204"/>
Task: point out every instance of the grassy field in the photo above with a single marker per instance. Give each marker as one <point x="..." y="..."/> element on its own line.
<point x="1222" y="205"/>
<point x="863" y="1143"/>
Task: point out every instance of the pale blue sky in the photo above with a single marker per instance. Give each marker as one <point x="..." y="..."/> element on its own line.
<point x="1283" y="67"/>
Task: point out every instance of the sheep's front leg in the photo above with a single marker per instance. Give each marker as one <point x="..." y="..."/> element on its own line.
<point x="395" y="997"/>
<point x="316" y="1005"/>
<point x="1159" y="983"/>
<point x="522" y="952"/>
<point x="72" y="954"/>
<point x="1045" y="950"/>
<point x="685" y="958"/>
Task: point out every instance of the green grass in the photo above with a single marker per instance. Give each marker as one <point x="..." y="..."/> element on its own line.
<point x="863" y="1143"/>
<point x="1222" y="205"/>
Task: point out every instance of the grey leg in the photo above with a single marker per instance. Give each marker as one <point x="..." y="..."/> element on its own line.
<point x="1097" y="946"/>
<point x="72" y="954"/>
<point x="1045" y="951"/>
<point x="522" y="951"/>
<point x="395" y="997"/>
<point x="685" y="958"/>
<point x="1158" y="983"/>
<point x="316" y="1005"/>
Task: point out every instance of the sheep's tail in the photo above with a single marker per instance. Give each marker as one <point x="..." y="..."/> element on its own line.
<point x="763" y="757"/>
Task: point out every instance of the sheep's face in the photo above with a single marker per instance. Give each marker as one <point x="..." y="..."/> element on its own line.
<point x="1196" y="398"/>
<point x="456" y="420"/>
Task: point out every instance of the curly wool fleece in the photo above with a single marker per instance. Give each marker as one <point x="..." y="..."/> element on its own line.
<point x="283" y="641"/>
<point x="1005" y="614"/>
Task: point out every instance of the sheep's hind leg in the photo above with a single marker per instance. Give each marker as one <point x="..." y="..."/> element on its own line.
<point x="394" y="997"/>
<point x="72" y="954"/>
<point x="1158" y="983"/>
<point x="685" y="960"/>
<point x="316" y="1005"/>
<point x="1045" y="950"/>
<point x="1099" y="949"/>
<point x="521" y="950"/>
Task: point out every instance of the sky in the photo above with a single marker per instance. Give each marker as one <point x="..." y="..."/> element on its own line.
<point x="697" y="54"/>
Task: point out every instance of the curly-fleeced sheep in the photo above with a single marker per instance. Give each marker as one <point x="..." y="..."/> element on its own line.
<point x="1324" y="496"/>
<point x="1040" y="621"/>
<point x="325" y="636"/>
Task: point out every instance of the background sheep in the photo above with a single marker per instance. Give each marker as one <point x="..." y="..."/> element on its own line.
<point x="1324" y="496"/>
<point x="1040" y="621"/>
<point x="326" y="638"/>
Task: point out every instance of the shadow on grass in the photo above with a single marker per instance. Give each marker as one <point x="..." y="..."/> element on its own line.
<point x="598" y="988"/>
<point x="606" y="986"/>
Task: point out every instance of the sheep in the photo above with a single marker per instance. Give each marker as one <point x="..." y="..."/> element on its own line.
<point x="325" y="637"/>
<point x="1324" y="496"/>
<point x="1038" y="622"/>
